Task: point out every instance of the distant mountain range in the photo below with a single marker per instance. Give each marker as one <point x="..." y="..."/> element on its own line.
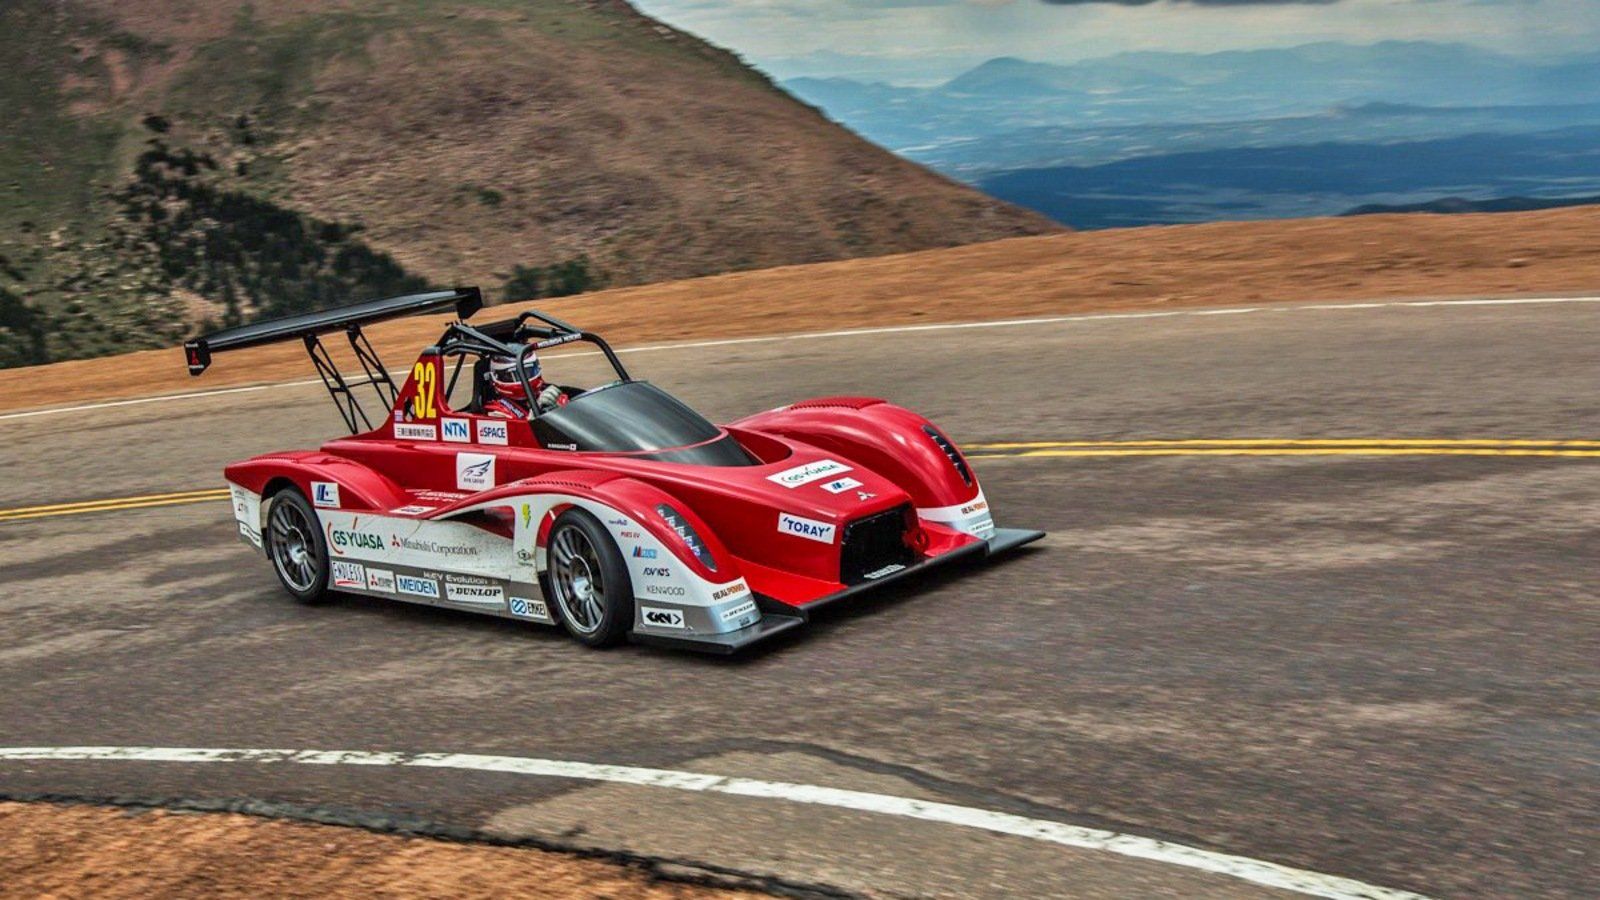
<point x="1141" y="138"/>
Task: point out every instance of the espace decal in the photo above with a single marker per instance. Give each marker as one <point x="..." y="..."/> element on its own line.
<point x="492" y="432"/>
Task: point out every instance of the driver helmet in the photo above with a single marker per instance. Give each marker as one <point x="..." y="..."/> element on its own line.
<point x="503" y="372"/>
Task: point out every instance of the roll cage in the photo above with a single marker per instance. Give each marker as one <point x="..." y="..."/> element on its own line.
<point x="527" y="333"/>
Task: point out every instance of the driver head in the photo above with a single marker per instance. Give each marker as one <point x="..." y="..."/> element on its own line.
<point x="503" y="372"/>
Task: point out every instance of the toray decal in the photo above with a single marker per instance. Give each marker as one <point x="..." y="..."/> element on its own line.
<point x="811" y="529"/>
<point x="822" y="468"/>
<point x="492" y="432"/>
<point x="456" y="431"/>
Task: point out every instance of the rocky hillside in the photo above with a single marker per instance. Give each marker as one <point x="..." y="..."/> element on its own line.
<point x="170" y="163"/>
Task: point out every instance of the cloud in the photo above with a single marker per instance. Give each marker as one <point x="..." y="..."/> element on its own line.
<point x="1195" y="2"/>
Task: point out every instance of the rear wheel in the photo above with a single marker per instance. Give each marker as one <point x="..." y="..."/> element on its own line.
<point x="588" y="580"/>
<point x="295" y="544"/>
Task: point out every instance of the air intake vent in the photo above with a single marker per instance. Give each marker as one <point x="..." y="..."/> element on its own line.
<point x="837" y="403"/>
<point x="875" y="546"/>
<point x="950" y="450"/>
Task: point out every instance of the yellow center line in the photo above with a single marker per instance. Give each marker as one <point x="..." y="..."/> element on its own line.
<point x="113" y="504"/>
<point x="1290" y="442"/>
<point x="1292" y="451"/>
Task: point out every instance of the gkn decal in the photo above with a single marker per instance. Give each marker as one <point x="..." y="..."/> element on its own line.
<point x="822" y="468"/>
<point x="810" y="529"/>
<point x="325" y="494"/>
<point x="660" y="617"/>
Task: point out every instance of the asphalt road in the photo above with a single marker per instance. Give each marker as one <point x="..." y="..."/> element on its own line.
<point x="1379" y="667"/>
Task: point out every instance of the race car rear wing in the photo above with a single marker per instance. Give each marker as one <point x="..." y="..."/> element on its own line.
<point x="309" y="328"/>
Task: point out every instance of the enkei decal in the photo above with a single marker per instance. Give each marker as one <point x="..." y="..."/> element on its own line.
<point x="456" y="431"/>
<point x="414" y="510"/>
<point x="743" y="609"/>
<point x="822" y="468"/>
<point x="349" y="574"/>
<point x="841" y="485"/>
<point x="732" y="590"/>
<point x="352" y="538"/>
<point x="492" y="432"/>
<point x="380" y="580"/>
<point x="325" y="494"/>
<point x="530" y="609"/>
<point x="409" y="432"/>
<point x="475" y="594"/>
<point x="810" y="529"/>
<point x="417" y="587"/>
<point x="875" y="574"/>
<point x="659" y="617"/>
<point x="643" y="553"/>
<point x="474" y="471"/>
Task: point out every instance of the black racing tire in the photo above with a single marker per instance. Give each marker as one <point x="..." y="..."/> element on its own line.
<point x="296" y="547"/>
<point x="587" y="580"/>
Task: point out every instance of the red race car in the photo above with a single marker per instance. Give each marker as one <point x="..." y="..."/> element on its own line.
<point x="616" y="511"/>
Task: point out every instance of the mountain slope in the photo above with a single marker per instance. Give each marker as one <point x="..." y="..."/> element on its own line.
<point x="440" y="141"/>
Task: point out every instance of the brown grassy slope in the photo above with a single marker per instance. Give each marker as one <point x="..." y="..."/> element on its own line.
<point x="1234" y="263"/>
<point x="80" y="851"/>
<point x="600" y="131"/>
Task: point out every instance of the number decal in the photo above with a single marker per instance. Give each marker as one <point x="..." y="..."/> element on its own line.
<point x="425" y="404"/>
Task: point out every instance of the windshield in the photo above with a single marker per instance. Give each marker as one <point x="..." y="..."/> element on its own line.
<point x="633" y="417"/>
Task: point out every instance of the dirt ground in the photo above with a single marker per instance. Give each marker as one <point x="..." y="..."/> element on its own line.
<point x="1226" y="264"/>
<point x="48" y="850"/>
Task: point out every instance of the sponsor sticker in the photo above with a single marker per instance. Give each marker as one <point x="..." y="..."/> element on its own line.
<point x="343" y="540"/>
<point x="417" y="587"/>
<point x="407" y="431"/>
<point x="349" y="574"/>
<point x="810" y="529"/>
<point x="840" y="485"/>
<point x="657" y="572"/>
<point x="250" y="534"/>
<point x="416" y="545"/>
<point x="380" y="580"/>
<point x="743" y="609"/>
<point x="661" y="617"/>
<point x="643" y="553"/>
<point x="732" y="590"/>
<point x="524" y="608"/>
<point x="325" y="494"/>
<point x="875" y="574"/>
<point x="456" y="431"/>
<point x="492" y="432"/>
<point x="974" y="507"/>
<point x="815" y="471"/>
<point x="474" y="471"/>
<point x="475" y="594"/>
<point x="665" y="590"/>
<point x="414" y="510"/>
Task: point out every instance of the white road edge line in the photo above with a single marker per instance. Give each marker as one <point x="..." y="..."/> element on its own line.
<point x="887" y="329"/>
<point x="1268" y="874"/>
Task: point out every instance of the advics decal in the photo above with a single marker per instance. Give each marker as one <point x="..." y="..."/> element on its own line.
<point x="822" y="468"/>
<point x="474" y="471"/>
<point x="657" y="572"/>
<point x="325" y="494"/>
<point x="810" y="529"/>
<point x="456" y="431"/>
<point x="492" y="432"/>
<point x="660" y="617"/>
<point x="417" y="587"/>
<point x="349" y="574"/>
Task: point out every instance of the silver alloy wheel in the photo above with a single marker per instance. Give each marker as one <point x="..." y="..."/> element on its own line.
<point x="575" y="579"/>
<point x="294" y="546"/>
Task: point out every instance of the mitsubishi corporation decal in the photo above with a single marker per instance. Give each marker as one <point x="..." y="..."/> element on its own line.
<point x="811" y="529"/>
<point x="815" y="471"/>
<point x="474" y="471"/>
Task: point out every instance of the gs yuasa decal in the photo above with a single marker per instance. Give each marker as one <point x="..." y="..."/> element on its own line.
<point x="822" y="468"/>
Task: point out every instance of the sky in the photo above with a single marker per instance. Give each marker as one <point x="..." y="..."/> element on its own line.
<point x="927" y="41"/>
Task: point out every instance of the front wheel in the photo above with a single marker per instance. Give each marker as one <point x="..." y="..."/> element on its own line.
<point x="588" y="580"/>
<point x="295" y="545"/>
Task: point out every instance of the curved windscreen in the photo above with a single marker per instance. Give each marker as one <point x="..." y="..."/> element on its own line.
<point x="635" y="417"/>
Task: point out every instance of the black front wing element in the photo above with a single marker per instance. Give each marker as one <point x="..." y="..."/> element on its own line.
<point x="778" y="617"/>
